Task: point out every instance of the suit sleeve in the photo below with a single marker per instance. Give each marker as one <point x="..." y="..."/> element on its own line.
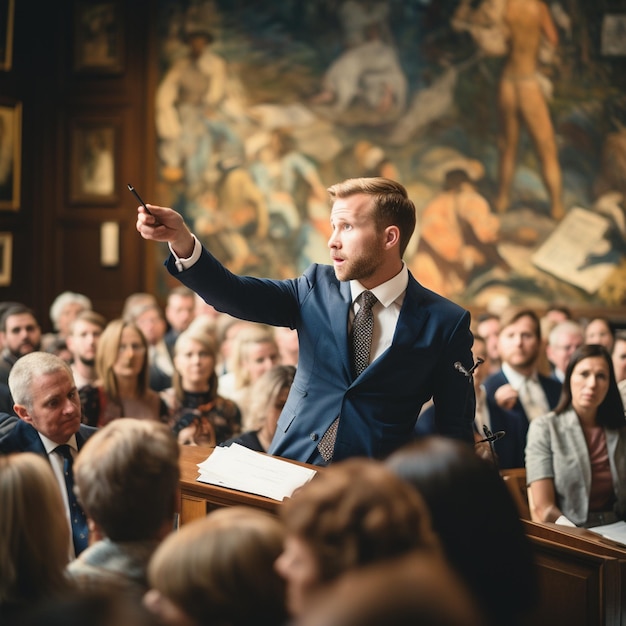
<point x="453" y="396"/>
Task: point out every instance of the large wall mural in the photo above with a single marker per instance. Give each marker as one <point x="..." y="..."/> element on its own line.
<point x="503" y="118"/>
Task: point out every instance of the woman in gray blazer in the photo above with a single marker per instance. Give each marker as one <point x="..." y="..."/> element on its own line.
<point x="576" y="455"/>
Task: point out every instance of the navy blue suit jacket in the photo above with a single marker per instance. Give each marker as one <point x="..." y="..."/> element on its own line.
<point x="514" y="422"/>
<point x="24" y="438"/>
<point x="378" y="409"/>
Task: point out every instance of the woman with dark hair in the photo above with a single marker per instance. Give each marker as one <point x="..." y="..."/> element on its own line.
<point x="477" y="523"/>
<point x="576" y="455"/>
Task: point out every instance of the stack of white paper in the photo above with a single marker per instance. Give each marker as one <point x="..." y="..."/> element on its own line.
<point x="237" y="467"/>
<point x="616" y="531"/>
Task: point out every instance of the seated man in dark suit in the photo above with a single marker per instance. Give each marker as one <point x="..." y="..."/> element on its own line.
<point x="518" y="393"/>
<point x="48" y="405"/>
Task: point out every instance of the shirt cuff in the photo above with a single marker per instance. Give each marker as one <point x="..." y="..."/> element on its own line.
<point x="185" y="264"/>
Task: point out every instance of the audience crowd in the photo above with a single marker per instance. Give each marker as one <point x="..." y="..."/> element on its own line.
<point x="93" y="414"/>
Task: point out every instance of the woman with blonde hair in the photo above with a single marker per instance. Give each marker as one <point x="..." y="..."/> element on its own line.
<point x="34" y="535"/>
<point x="218" y="571"/>
<point x="197" y="413"/>
<point x="255" y="351"/>
<point x="268" y="397"/>
<point x="122" y="367"/>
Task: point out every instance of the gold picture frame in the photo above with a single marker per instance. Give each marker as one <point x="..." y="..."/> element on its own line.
<point x="6" y="258"/>
<point x="10" y="155"/>
<point x="7" y="13"/>
<point x="98" y="38"/>
<point x="94" y="178"/>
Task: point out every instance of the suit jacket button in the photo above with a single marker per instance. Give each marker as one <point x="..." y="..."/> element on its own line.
<point x="314" y="436"/>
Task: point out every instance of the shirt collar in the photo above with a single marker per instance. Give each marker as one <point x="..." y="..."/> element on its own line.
<point x="387" y="292"/>
<point x="50" y="445"/>
<point x="515" y="378"/>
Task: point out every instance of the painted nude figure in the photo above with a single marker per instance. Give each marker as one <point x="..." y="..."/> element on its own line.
<point x="521" y="100"/>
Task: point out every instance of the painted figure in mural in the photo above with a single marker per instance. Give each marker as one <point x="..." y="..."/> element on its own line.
<point x="189" y="116"/>
<point x="369" y="72"/>
<point x="458" y="233"/>
<point x="521" y="99"/>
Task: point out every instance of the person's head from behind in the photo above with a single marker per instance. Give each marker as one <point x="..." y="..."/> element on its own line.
<point x="373" y="220"/>
<point x="126" y="477"/>
<point x="353" y="513"/>
<point x="268" y="397"/>
<point x="21" y="333"/>
<point x="590" y="388"/>
<point x="457" y="484"/>
<point x="83" y="337"/>
<point x="45" y="395"/>
<point x="418" y="588"/>
<point x="254" y="353"/>
<point x="122" y="353"/>
<point x="34" y="533"/>
<point x="195" y="358"/>
<point x="219" y="570"/>
<point x="65" y="308"/>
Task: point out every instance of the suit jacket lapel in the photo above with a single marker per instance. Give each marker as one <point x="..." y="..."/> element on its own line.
<point x="339" y="302"/>
<point x="412" y="318"/>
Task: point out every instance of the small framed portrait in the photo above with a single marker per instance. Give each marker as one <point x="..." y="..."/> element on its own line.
<point x="93" y="163"/>
<point x="6" y="258"/>
<point x="7" y="10"/>
<point x="10" y="155"/>
<point x="98" y="38"/>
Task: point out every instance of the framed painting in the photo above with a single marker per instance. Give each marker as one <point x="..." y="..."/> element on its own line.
<point x="98" y="38"/>
<point x="6" y="257"/>
<point x="10" y="155"/>
<point x="93" y="163"/>
<point x="7" y="9"/>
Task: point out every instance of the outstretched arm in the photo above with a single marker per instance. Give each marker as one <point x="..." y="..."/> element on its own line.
<point x="166" y="225"/>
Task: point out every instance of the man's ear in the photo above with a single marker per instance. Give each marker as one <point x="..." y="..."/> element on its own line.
<point x="392" y="236"/>
<point x="22" y="412"/>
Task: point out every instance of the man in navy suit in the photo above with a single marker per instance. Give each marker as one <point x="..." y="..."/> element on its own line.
<point x="48" y="405"/>
<point x="418" y="336"/>
<point x="518" y="393"/>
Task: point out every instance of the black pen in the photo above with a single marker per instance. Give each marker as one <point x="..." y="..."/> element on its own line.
<point x="143" y="204"/>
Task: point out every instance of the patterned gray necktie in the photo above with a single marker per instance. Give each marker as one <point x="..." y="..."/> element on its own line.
<point x="360" y="344"/>
<point x="362" y="330"/>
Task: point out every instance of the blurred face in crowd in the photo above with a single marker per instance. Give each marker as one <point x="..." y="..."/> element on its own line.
<point x="561" y="351"/>
<point x="619" y="359"/>
<point x="259" y="358"/>
<point x="195" y="365"/>
<point x="131" y="354"/>
<point x="152" y="325"/>
<point x="519" y="345"/>
<point x="589" y="384"/>
<point x="22" y="334"/>
<point x="489" y="331"/>
<point x="67" y="316"/>
<point x="180" y="311"/>
<point x="298" y="566"/>
<point x="55" y="408"/>
<point x="83" y="341"/>
<point x="598" y="331"/>
<point x="479" y="351"/>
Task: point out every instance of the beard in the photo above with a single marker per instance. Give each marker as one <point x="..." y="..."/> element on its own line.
<point x="87" y="362"/>
<point x="361" y="267"/>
